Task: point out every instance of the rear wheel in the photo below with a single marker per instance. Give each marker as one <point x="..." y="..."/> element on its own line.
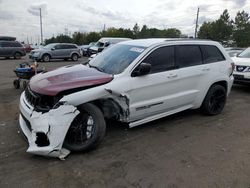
<point x="215" y="100"/>
<point x="74" y="57"/>
<point x="87" y="129"/>
<point x="46" y="57"/>
<point x="17" y="55"/>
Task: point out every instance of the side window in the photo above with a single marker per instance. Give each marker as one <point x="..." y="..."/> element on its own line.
<point x="0" y="44"/>
<point x="58" y="47"/>
<point x="188" y="55"/>
<point x="16" y="44"/>
<point x="211" y="54"/>
<point x="5" y="44"/>
<point x="162" y="59"/>
<point x="73" y="46"/>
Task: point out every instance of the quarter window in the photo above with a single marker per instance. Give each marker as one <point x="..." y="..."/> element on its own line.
<point x="188" y="55"/>
<point x="211" y="54"/>
<point x="161" y="59"/>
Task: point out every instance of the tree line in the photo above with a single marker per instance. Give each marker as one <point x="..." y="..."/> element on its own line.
<point x="136" y="33"/>
<point x="228" y="31"/>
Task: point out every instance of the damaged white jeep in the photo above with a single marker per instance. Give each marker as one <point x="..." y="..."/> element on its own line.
<point x="133" y="82"/>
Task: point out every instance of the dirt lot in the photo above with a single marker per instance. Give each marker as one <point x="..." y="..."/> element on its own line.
<point x="184" y="150"/>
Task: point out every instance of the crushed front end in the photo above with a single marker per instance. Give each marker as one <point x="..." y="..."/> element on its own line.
<point x="44" y="124"/>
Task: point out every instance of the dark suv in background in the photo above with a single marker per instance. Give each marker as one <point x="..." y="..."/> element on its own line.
<point x="11" y="49"/>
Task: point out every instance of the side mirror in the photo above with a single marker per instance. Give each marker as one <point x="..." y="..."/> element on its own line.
<point x="142" y="69"/>
<point x="107" y="44"/>
<point x="52" y="49"/>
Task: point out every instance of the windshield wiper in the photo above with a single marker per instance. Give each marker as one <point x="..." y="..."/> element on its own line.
<point x="95" y="67"/>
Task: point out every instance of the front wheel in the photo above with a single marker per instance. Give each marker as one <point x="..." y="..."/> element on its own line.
<point x="215" y="100"/>
<point x="87" y="129"/>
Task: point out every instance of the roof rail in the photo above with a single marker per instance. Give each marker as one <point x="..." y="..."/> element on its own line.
<point x="7" y="38"/>
<point x="186" y="39"/>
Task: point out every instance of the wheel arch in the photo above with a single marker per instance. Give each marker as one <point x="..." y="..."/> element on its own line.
<point x="110" y="108"/>
<point x="46" y="53"/>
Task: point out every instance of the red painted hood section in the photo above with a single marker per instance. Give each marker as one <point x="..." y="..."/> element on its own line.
<point x="68" y="77"/>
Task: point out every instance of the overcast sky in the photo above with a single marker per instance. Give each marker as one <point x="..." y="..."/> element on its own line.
<point x="20" y="18"/>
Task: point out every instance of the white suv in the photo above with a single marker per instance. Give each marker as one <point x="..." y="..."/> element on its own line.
<point x="133" y="82"/>
<point x="242" y="67"/>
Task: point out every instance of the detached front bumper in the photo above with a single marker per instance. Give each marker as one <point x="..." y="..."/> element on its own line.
<point x="45" y="132"/>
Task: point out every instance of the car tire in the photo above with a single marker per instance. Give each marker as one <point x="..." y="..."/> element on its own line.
<point x="87" y="129"/>
<point x="74" y="57"/>
<point x="17" y="55"/>
<point x="16" y="84"/>
<point x="46" y="58"/>
<point x="215" y="100"/>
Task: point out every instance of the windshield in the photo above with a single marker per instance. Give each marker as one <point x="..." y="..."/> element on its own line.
<point x="99" y="44"/>
<point x="49" y="46"/>
<point x="245" y="53"/>
<point x="116" y="59"/>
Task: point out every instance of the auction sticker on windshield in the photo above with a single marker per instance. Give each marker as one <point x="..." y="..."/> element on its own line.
<point x="135" y="49"/>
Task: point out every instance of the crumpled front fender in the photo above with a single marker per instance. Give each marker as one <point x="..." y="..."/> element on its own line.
<point x="49" y="131"/>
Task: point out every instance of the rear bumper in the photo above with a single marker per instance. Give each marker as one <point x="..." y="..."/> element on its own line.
<point x="45" y="132"/>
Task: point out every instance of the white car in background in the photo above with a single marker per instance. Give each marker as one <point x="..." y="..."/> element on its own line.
<point x="242" y="67"/>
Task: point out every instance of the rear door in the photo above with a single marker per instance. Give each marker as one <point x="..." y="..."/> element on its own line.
<point x="193" y="75"/>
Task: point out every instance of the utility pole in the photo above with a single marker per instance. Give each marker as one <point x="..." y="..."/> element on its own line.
<point x="104" y="28"/>
<point x="41" y="25"/>
<point x="197" y="21"/>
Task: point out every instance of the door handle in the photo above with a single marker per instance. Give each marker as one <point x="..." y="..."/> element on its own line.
<point x="206" y="69"/>
<point x="172" y="75"/>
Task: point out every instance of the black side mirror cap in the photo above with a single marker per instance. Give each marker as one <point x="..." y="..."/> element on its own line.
<point x="141" y="70"/>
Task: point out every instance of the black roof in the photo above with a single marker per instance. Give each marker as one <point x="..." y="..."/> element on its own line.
<point x="7" y="38"/>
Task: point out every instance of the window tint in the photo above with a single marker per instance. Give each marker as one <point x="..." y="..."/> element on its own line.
<point x="188" y="55"/>
<point x="161" y="59"/>
<point x="59" y="47"/>
<point x="6" y="44"/>
<point x="16" y="44"/>
<point x="211" y="54"/>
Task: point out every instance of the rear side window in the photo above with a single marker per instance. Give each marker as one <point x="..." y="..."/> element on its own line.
<point x="16" y="44"/>
<point x="162" y="59"/>
<point x="188" y="55"/>
<point x="6" y="44"/>
<point x="69" y="46"/>
<point x="211" y="54"/>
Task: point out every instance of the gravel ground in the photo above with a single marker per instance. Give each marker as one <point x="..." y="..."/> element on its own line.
<point x="183" y="150"/>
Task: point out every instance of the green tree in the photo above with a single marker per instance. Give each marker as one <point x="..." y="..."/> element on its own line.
<point x="205" y="31"/>
<point x="79" y="38"/>
<point x="59" y="39"/>
<point x="136" y="31"/>
<point x="92" y="37"/>
<point x="241" y="33"/>
<point x="219" y="30"/>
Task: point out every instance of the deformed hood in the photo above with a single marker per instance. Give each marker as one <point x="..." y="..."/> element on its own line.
<point x="66" y="78"/>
